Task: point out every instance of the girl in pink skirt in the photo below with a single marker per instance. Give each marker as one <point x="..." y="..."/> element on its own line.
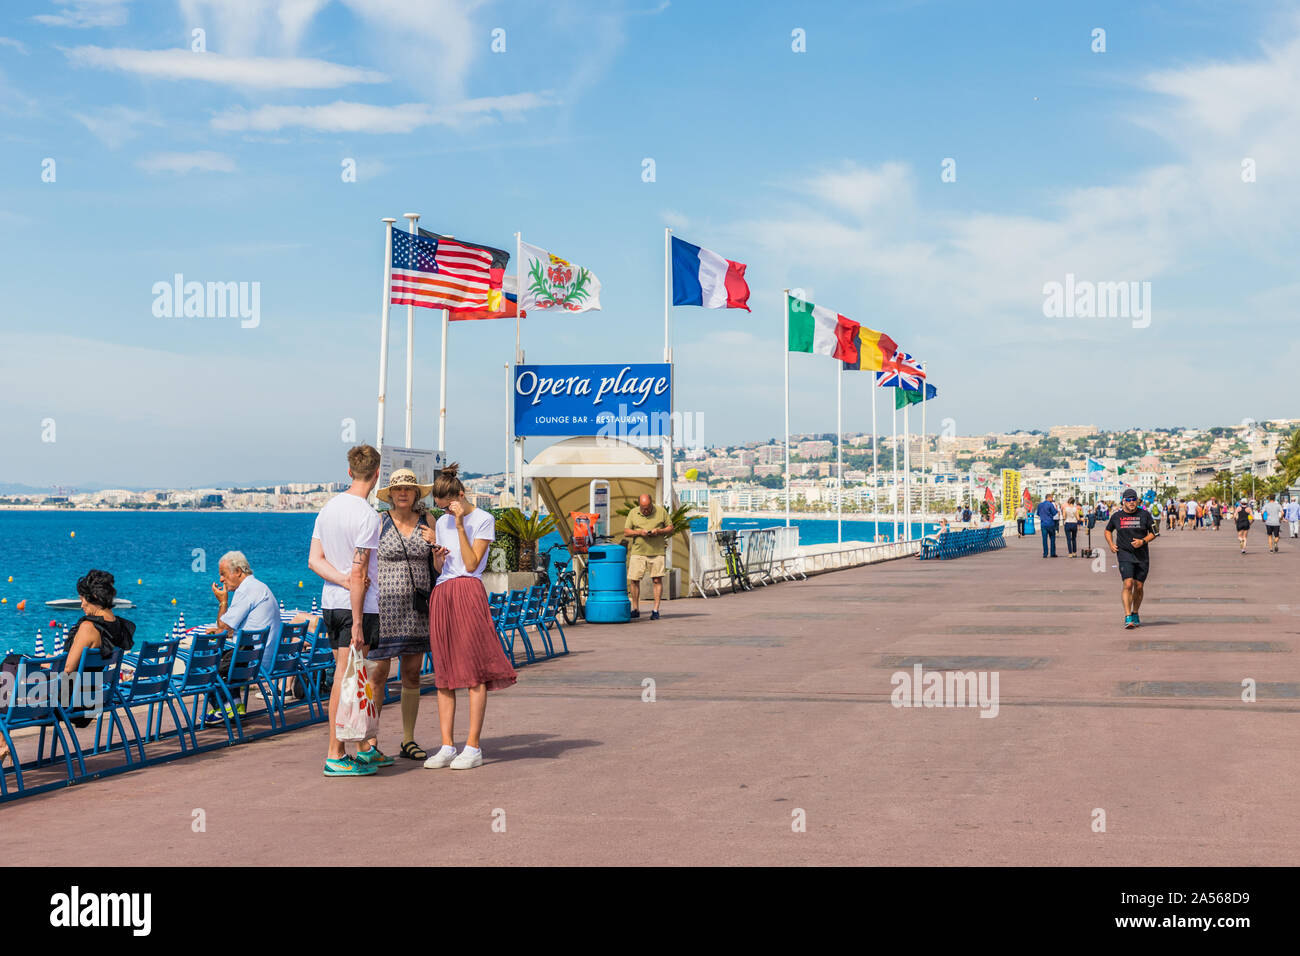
<point x="466" y="651"/>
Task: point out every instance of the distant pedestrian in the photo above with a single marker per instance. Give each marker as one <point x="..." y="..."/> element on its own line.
<point x="1071" y="520"/>
<point x="1243" y="524"/>
<point x="1291" y="512"/>
<point x="1216" y="513"/>
<point x="1273" y="522"/>
<point x="1021" y="513"/>
<point x="1182" y="515"/>
<point x="1048" y="516"/>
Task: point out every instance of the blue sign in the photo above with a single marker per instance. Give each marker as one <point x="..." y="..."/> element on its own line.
<point x="617" y="401"/>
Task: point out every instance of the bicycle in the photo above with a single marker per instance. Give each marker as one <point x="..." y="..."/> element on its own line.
<point x="572" y="586"/>
<point x="735" y="561"/>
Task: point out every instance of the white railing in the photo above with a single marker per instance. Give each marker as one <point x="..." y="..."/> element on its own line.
<point x="786" y="559"/>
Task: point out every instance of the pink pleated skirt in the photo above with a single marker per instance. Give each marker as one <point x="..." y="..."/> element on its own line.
<point x="466" y="650"/>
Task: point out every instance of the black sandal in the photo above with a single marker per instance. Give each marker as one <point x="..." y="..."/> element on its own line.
<point x="412" y="751"/>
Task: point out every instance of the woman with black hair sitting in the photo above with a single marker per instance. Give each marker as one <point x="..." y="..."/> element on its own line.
<point x="98" y="629"/>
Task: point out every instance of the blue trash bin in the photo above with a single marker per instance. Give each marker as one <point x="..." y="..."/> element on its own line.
<point x="1029" y="523"/>
<point x="607" y="601"/>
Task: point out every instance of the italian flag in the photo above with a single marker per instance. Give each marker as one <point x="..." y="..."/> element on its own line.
<point x="820" y="331"/>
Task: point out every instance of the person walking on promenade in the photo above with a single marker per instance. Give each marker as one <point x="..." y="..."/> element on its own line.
<point x="1128" y="533"/>
<point x="466" y="651"/>
<point x="1182" y="514"/>
<point x="649" y="527"/>
<point x="344" y="545"/>
<point x="1243" y="524"/>
<point x="1048" y="515"/>
<point x="1071" y="522"/>
<point x="1291" y="511"/>
<point x="1273" y="523"/>
<point x="1216" y="513"/>
<point x="405" y="588"/>
<point x="1021" y="513"/>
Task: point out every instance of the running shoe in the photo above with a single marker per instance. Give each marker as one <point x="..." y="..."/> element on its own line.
<point x="345" y="766"/>
<point x="466" y="760"/>
<point x="373" y="757"/>
<point x="1137" y="621"/>
<point x="654" y="615"/>
<point x="1128" y="621"/>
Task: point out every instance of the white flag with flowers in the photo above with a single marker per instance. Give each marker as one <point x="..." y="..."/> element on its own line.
<point x="552" y="284"/>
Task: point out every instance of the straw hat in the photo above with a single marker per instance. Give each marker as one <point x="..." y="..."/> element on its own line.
<point x="403" y="478"/>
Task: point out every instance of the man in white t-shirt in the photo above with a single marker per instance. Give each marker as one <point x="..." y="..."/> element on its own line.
<point x="344" y="553"/>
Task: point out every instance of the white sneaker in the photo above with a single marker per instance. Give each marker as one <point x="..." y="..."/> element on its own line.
<point x="442" y="758"/>
<point x="466" y="760"/>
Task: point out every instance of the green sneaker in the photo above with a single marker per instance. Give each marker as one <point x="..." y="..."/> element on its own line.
<point x="373" y="757"/>
<point x="345" y="766"/>
<point x="1129" y="621"/>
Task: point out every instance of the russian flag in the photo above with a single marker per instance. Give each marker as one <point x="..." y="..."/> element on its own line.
<point x="701" y="277"/>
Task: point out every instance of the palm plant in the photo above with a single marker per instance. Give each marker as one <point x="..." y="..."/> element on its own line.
<point x="527" y="530"/>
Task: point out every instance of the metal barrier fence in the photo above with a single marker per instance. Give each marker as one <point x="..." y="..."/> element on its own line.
<point x="774" y="554"/>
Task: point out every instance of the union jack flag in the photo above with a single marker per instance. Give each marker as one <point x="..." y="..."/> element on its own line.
<point x="905" y="363"/>
<point x="898" y="376"/>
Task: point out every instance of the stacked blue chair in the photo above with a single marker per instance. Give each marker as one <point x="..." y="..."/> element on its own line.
<point x="534" y="614"/>
<point x="551" y="617"/>
<point x="317" y="663"/>
<point x="510" y="625"/>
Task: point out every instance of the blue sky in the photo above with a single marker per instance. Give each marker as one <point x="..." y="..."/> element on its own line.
<point x="820" y="170"/>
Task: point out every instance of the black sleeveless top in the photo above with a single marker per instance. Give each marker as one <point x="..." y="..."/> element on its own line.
<point x="118" y="633"/>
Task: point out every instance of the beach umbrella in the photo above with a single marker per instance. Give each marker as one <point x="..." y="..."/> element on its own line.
<point x="40" y="645"/>
<point x="715" y="513"/>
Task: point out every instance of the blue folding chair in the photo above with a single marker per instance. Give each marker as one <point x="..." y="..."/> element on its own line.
<point x="96" y="679"/>
<point x="35" y="672"/>
<point x="285" y="666"/>
<point x="151" y="685"/>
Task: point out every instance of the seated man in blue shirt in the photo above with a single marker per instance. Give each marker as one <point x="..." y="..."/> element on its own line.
<point x="252" y="607"/>
<point x="1048" y="515"/>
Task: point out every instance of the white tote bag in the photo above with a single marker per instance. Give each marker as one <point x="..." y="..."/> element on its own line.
<point x="357" y="717"/>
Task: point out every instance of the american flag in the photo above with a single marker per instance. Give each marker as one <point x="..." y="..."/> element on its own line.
<point x="439" y="273"/>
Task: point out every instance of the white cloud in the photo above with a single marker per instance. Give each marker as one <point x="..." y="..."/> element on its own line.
<point x="432" y="44"/>
<point x="83" y="14"/>
<point x="347" y="117"/>
<point x="243" y="27"/>
<point x="14" y="44"/>
<point x="252" y="72"/>
<point x="204" y="161"/>
<point x="674" y="219"/>
<point x="116" y="125"/>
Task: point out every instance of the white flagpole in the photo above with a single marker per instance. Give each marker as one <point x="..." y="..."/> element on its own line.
<point x="925" y="442"/>
<point x="907" y="472"/>
<point x="839" y="451"/>
<point x="893" y="471"/>
<point x="442" y="383"/>
<point x="875" y="465"/>
<point x="672" y="387"/>
<point x="510" y="391"/>
<point x="383" y="328"/>
<point x="519" y="358"/>
<point x="785" y="324"/>
<point x="411" y="218"/>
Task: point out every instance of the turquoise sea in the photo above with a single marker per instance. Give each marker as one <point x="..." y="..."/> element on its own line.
<point x="161" y="557"/>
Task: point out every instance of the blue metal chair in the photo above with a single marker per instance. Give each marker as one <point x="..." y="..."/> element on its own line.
<point x="201" y="683"/>
<point x="35" y="672"/>
<point x="318" y="660"/>
<point x="243" y="674"/>
<point x="551" y="615"/>
<point x="274" y="681"/>
<point x="96" y="678"/>
<point x="150" y="684"/>
<point x="534" y="615"/>
<point x="510" y="626"/>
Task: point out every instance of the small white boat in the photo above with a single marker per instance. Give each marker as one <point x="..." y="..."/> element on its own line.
<point x="74" y="604"/>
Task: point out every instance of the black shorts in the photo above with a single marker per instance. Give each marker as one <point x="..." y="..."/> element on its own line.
<point x="338" y="626"/>
<point x="1274" y="529"/>
<point x="1131" y="567"/>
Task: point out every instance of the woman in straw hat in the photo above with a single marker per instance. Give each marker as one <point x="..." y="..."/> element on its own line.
<point x="405" y="585"/>
<point x="466" y="651"/>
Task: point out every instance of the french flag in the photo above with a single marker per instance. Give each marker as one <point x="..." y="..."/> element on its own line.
<point x="701" y="277"/>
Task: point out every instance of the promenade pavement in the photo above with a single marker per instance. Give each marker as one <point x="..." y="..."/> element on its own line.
<point x="775" y="706"/>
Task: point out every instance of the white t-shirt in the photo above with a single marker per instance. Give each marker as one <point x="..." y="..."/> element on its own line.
<point x="343" y="525"/>
<point x="480" y="525"/>
<point x="1272" y="513"/>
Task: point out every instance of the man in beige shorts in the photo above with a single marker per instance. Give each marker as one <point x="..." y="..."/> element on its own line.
<point x="647" y="529"/>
